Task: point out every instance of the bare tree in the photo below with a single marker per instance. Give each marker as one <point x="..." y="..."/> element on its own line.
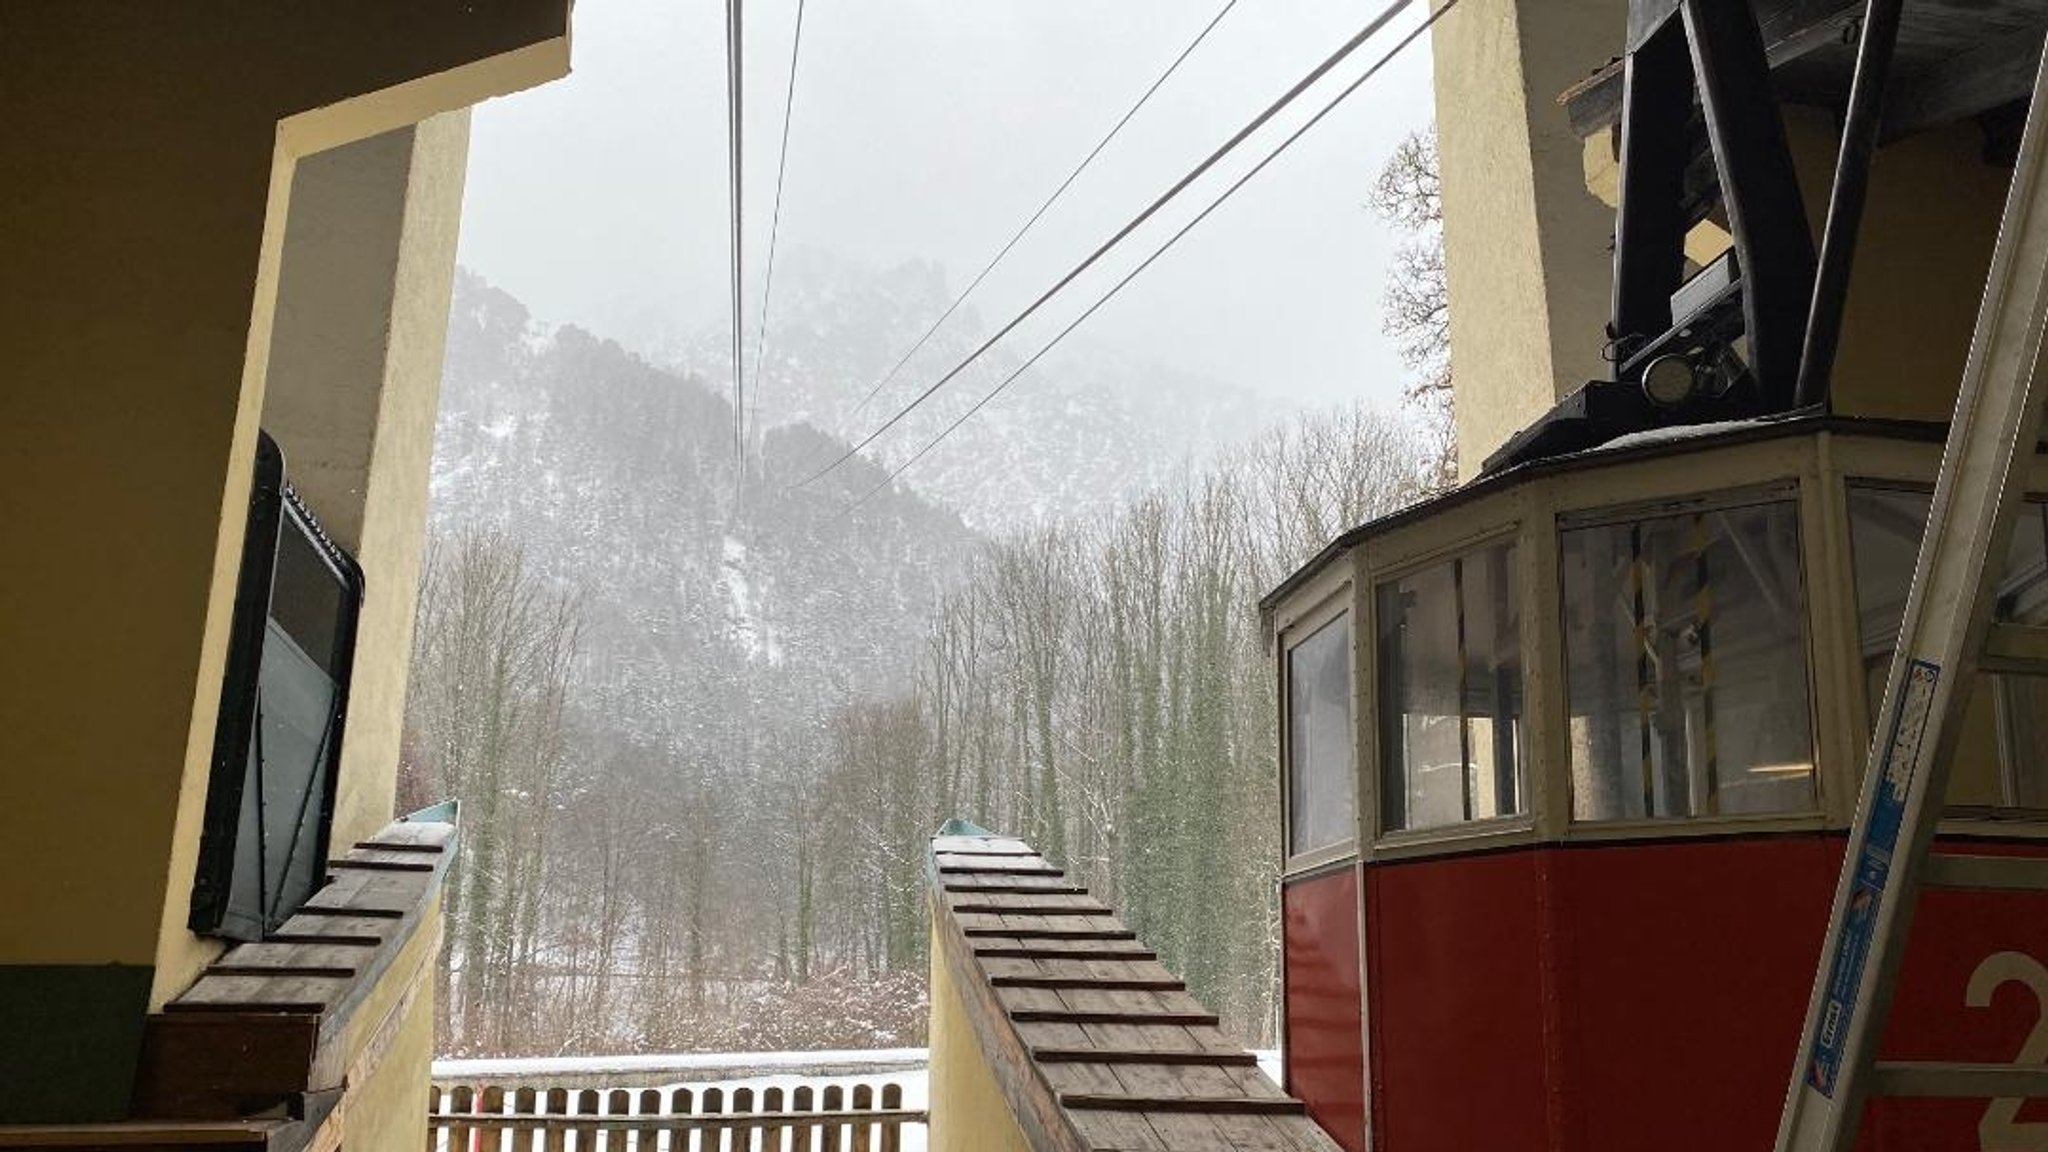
<point x="1416" y="306"/>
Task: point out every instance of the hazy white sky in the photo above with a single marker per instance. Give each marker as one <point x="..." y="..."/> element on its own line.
<point x="931" y="129"/>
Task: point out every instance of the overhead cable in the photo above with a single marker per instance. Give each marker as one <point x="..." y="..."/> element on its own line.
<point x="733" y="92"/>
<point x="796" y="45"/>
<point x="1134" y="273"/>
<point x="1041" y="210"/>
<point x="1270" y="111"/>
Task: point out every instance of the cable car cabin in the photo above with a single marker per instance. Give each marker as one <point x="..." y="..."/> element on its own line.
<point x="1569" y="758"/>
<point x="1570" y="754"/>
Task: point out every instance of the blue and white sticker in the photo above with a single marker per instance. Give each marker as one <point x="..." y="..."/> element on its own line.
<point x="1870" y="886"/>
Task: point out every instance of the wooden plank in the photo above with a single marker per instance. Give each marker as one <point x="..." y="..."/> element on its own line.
<point x="1084" y="1078"/>
<point x="1059" y="934"/>
<point x="1272" y="1133"/>
<point x="383" y="861"/>
<point x="221" y="1066"/>
<point x="461" y="1102"/>
<point x="1016" y="1000"/>
<point x="1152" y="1081"/>
<point x="1124" y="1131"/>
<point x="1181" y="1056"/>
<point x="272" y="958"/>
<point x="1189" y="1132"/>
<point x="833" y="1099"/>
<point x="1140" y="1037"/>
<point x="993" y="947"/>
<point x="1053" y="1035"/>
<point x="802" y="1100"/>
<point x="556" y="1138"/>
<point x="1107" y="983"/>
<point x="1068" y="1016"/>
<point x="863" y="1131"/>
<point x="649" y="1105"/>
<point x="973" y="900"/>
<point x="1034" y="909"/>
<point x="892" y="1130"/>
<point x="371" y="893"/>
<point x="771" y="1102"/>
<point x="985" y="885"/>
<point x="1000" y="966"/>
<point x="310" y="994"/>
<point x="1131" y="1102"/>
<point x="617" y="1103"/>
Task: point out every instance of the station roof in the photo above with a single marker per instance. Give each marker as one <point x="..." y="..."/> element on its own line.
<point x="1955" y="58"/>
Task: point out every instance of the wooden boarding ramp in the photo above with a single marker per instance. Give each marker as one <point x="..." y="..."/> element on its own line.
<point x="258" y="1053"/>
<point x="1091" y="1040"/>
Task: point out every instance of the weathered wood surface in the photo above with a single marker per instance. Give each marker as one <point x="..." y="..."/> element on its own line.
<point x="263" y="1025"/>
<point x="1095" y="1044"/>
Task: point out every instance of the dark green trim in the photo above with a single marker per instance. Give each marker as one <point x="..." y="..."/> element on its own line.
<point x="70" y="1037"/>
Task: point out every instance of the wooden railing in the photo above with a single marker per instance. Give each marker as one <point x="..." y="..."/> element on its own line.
<point x="834" y="1118"/>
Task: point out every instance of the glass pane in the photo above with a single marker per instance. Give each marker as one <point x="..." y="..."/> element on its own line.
<point x="2002" y="756"/>
<point x="1450" y="692"/>
<point x="1321" y="791"/>
<point x="1493" y="681"/>
<point x="1685" y="665"/>
<point x="1421" y="740"/>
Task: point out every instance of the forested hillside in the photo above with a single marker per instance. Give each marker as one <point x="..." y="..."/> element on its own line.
<point x="701" y="722"/>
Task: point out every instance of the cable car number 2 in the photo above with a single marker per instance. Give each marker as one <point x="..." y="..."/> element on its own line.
<point x="2001" y="1129"/>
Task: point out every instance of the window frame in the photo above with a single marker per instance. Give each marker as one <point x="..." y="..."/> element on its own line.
<point x="1979" y="817"/>
<point x="1377" y="760"/>
<point x="1793" y="489"/>
<point x="1335" y="603"/>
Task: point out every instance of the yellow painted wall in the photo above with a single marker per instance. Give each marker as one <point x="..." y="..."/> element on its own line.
<point x="391" y="1047"/>
<point x="1526" y="245"/>
<point x="354" y="381"/>
<point x="1921" y="258"/>
<point x="968" y="1110"/>
<point x="147" y="164"/>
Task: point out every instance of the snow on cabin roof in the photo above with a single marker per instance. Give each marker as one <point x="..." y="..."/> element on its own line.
<point x="1094" y="1043"/>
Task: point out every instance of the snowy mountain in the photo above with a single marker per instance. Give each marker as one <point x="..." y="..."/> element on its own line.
<point x="708" y="598"/>
<point x="1079" y="434"/>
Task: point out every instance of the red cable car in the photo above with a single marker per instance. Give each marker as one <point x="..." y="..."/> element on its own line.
<point x="1569" y="757"/>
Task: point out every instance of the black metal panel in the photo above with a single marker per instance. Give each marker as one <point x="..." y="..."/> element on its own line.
<point x="1845" y="201"/>
<point x="1759" y="189"/>
<point x="270" y="795"/>
<point x="1649" y="226"/>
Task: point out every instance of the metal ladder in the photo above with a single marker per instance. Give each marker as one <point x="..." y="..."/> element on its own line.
<point x="1946" y="636"/>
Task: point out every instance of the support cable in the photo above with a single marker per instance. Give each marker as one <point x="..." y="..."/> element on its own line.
<point x="796" y="45"/>
<point x="1134" y="273"/>
<point x="1180" y="185"/>
<point x="1036" y="215"/>
<point x="733" y="93"/>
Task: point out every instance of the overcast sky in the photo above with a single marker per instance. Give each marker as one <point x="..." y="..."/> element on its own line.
<point x="931" y="129"/>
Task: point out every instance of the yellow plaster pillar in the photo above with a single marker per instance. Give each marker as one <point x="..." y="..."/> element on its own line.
<point x="145" y="176"/>
<point x="1526" y="246"/>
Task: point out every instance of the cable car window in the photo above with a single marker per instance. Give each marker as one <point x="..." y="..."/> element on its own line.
<point x="2002" y="760"/>
<point x="1450" y="675"/>
<point x="1321" y="787"/>
<point x="1686" y="665"/>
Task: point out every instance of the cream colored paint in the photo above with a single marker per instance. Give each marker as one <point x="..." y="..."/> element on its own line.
<point x="969" y="1112"/>
<point x="355" y="372"/>
<point x="148" y="211"/>
<point x="1525" y="244"/>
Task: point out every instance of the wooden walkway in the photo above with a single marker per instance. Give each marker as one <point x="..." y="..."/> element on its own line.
<point x="1096" y="1045"/>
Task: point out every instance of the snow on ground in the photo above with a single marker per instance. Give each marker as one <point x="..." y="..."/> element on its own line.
<point x="658" y="1064"/>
